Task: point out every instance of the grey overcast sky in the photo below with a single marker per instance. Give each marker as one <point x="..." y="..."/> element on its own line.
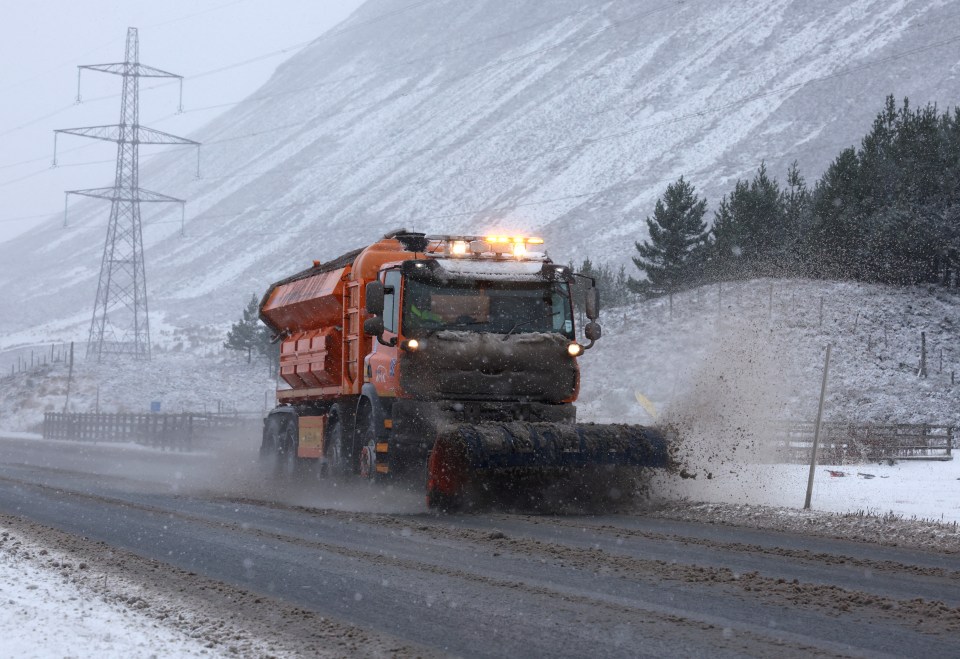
<point x="42" y="42"/>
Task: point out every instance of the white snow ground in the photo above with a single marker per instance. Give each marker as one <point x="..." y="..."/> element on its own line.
<point x="43" y="614"/>
<point x="909" y="490"/>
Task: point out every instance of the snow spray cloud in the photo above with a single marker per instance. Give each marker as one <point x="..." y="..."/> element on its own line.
<point x="726" y="414"/>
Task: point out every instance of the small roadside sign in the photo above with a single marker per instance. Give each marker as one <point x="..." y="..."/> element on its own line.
<point x="155" y="406"/>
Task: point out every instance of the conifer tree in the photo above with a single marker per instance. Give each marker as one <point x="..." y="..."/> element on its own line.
<point x="725" y="239"/>
<point x="673" y="256"/>
<point x="796" y="215"/>
<point x="248" y="333"/>
<point x="749" y="231"/>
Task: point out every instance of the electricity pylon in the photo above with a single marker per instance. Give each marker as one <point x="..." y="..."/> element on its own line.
<point x="120" y="323"/>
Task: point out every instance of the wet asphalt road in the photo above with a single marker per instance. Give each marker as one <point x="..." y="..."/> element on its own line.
<point x="493" y="584"/>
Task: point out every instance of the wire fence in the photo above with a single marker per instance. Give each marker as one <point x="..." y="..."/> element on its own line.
<point x="33" y="358"/>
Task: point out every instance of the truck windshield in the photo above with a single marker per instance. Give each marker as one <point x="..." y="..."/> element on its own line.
<point x="480" y="306"/>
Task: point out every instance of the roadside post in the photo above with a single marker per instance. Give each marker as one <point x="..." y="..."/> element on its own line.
<point x="816" y="430"/>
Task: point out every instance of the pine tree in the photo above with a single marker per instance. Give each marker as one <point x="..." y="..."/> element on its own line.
<point x="247" y="333"/>
<point x="750" y="235"/>
<point x="838" y="228"/>
<point x="620" y="288"/>
<point x="796" y="202"/>
<point x="726" y="237"/>
<point x="673" y="257"/>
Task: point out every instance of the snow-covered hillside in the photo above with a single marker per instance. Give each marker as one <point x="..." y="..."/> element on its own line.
<point x="722" y="369"/>
<point x="740" y="362"/>
<point x="563" y="117"/>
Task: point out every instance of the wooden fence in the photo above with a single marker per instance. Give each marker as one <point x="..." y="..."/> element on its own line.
<point x="180" y="432"/>
<point x="844" y="443"/>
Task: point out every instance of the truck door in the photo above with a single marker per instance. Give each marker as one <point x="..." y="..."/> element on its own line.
<point x="384" y="364"/>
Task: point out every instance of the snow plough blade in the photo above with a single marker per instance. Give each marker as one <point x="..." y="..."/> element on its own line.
<point x="525" y="458"/>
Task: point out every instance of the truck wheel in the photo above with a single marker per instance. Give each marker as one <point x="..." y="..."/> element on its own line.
<point x="270" y="449"/>
<point x="367" y="438"/>
<point x="334" y="449"/>
<point x="368" y="463"/>
<point x="289" y="463"/>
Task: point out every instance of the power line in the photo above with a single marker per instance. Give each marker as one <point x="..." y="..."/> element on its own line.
<point x="591" y="140"/>
<point x="582" y="142"/>
<point x="83" y="55"/>
<point x="482" y="69"/>
<point x="202" y="74"/>
<point x="291" y="47"/>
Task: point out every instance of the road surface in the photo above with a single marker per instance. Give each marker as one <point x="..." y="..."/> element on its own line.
<point x="491" y="584"/>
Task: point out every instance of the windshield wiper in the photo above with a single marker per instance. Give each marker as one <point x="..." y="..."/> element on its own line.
<point x="528" y="321"/>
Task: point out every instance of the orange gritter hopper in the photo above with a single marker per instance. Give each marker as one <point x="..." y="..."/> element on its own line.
<point x="307" y="311"/>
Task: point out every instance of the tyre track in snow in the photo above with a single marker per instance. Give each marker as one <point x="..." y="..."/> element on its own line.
<point x="493" y="584"/>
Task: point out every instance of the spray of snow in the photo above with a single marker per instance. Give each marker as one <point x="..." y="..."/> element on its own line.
<point x="724" y="415"/>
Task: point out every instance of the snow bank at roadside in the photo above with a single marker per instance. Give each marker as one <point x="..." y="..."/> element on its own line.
<point x="46" y="615"/>
<point x="909" y="490"/>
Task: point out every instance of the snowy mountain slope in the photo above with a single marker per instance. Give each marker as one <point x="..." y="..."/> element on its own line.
<point x="561" y="117"/>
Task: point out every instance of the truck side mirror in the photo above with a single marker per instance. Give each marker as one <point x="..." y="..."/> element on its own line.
<point x="373" y="326"/>
<point x="592" y="331"/>
<point x="593" y="303"/>
<point x="375" y="294"/>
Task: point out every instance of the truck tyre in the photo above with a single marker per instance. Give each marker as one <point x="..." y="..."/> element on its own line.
<point x="337" y="464"/>
<point x="289" y="441"/>
<point x="366" y="441"/>
<point x="269" y="449"/>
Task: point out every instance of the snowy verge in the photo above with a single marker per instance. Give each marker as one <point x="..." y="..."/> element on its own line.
<point x="49" y="614"/>
<point x="94" y="600"/>
<point x="917" y="490"/>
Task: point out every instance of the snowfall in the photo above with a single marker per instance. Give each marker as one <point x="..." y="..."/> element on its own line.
<point x="720" y="366"/>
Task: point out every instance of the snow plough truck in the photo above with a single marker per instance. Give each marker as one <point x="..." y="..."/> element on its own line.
<point x="451" y="359"/>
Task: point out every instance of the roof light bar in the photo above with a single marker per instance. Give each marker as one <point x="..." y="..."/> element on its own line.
<point x="496" y="245"/>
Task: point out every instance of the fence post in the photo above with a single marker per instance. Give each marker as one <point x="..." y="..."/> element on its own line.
<point x="816" y="430"/>
<point x="821" y="311"/>
<point x="69" y="379"/>
<point x="922" y="371"/>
